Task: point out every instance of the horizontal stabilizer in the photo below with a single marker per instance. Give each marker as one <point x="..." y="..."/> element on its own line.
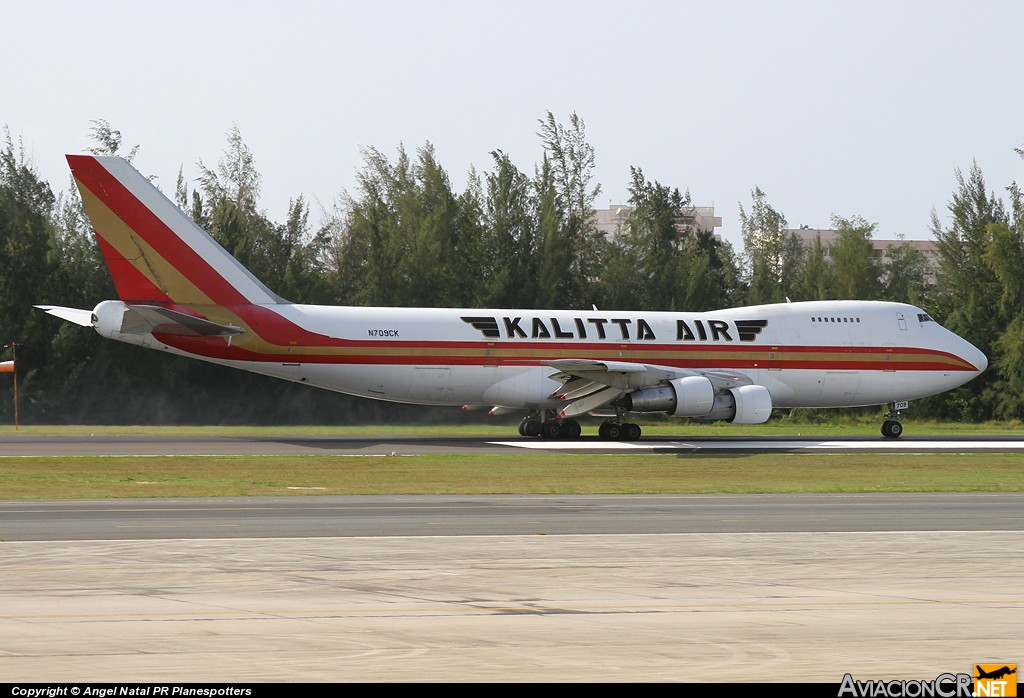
<point x="75" y="315"/>
<point x="115" y="316"/>
<point x="140" y="319"/>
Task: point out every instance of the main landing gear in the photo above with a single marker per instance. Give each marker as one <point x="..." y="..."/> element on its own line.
<point x="618" y="429"/>
<point x="547" y="426"/>
<point x="892" y="427"/>
<point x="614" y="430"/>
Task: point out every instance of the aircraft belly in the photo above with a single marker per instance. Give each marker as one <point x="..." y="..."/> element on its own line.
<point x="797" y="388"/>
<point x="518" y="387"/>
<point x="880" y="387"/>
<point x="508" y="386"/>
<point x="429" y="385"/>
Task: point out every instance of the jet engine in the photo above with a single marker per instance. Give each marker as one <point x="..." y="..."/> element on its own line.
<point x="695" y="396"/>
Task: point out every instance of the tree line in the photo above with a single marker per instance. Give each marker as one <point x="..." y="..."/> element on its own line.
<point x="510" y="239"/>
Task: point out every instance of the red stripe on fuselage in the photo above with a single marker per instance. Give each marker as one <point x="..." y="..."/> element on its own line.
<point x="925" y="359"/>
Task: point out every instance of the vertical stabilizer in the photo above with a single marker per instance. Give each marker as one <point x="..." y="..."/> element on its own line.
<point x="156" y="253"/>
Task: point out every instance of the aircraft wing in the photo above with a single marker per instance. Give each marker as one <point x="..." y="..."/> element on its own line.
<point x="589" y="384"/>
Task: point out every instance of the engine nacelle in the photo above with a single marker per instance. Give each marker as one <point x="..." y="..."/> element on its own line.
<point x="107" y="318"/>
<point x="694" y="396"/>
<point x="690" y="396"/>
<point x="753" y="404"/>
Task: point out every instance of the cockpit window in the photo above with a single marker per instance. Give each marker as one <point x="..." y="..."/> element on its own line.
<point x="924" y="317"/>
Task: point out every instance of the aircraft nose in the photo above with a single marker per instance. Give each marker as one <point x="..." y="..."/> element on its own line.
<point x="974" y="356"/>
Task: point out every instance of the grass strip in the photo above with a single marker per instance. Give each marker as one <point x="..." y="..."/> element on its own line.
<point x="534" y="473"/>
<point x="503" y="429"/>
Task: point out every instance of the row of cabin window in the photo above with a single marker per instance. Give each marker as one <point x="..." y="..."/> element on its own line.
<point x="834" y="319"/>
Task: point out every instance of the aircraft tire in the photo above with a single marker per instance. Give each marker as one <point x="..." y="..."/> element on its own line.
<point x="530" y="427"/>
<point x="550" y="429"/>
<point x="613" y="431"/>
<point x="571" y="429"/>
<point x="631" y="432"/>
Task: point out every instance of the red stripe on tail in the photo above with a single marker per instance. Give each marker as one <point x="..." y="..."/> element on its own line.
<point x="158" y="235"/>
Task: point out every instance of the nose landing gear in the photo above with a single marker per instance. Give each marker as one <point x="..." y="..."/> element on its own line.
<point x="892" y="427"/>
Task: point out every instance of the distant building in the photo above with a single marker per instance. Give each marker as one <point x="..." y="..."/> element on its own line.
<point x="694" y="218"/>
<point x="881" y="246"/>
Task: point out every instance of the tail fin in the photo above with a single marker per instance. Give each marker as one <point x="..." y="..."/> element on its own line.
<point x="156" y="254"/>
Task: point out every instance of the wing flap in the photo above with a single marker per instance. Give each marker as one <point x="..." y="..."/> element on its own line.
<point x="591" y="402"/>
<point x="586" y="388"/>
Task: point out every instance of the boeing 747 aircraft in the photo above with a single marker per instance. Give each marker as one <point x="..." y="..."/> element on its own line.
<point x="181" y="292"/>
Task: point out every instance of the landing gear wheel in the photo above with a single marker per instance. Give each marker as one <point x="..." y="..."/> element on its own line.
<point x="529" y="427"/>
<point x="615" y="431"/>
<point x="550" y="429"/>
<point x="630" y="432"/>
<point x="571" y="429"/>
<point x="891" y="429"/>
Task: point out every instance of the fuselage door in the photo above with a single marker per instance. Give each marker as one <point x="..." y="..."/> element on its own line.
<point x="430" y="383"/>
<point x="842" y="386"/>
<point x="902" y="320"/>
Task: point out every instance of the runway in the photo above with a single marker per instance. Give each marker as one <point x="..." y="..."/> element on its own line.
<point x="507" y="588"/>
<point x="348" y="446"/>
<point x="311" y="516"/>
<point x="517" y="589"/>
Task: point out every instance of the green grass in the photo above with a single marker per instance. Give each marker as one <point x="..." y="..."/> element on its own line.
<point x="858" y="426"/>
<point x="526" y="473"/>
<point x="515" y="473"/>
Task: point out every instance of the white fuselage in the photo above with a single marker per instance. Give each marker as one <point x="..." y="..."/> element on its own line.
<point x="813" y="354"/>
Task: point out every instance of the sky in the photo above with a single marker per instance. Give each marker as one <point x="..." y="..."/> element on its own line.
<point x="831" y="108"/>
